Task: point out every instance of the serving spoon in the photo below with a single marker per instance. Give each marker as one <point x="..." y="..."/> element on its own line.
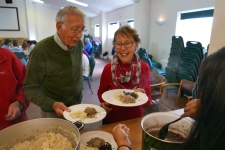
<point x="164" y="130"/>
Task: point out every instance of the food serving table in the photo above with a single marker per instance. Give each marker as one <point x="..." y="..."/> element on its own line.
<point x="135" y="135"/>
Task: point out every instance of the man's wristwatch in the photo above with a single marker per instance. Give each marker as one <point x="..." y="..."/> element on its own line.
<point x="21" y="105"/>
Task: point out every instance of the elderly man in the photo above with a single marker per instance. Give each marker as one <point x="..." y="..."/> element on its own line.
<point x="54" y="77"/>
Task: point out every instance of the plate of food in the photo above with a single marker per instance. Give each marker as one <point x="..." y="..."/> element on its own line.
<point x="96" y="139"/>
<point x="124" y="97"/>
<point x="87" y="113"/>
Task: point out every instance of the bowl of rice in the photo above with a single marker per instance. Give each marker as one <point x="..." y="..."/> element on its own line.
<point x="41" y="134"/>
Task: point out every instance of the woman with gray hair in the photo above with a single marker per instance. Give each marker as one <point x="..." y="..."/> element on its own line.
<point x="54" y="78"/>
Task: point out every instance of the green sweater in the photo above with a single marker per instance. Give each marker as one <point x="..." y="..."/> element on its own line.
<point x="54" y="75"/>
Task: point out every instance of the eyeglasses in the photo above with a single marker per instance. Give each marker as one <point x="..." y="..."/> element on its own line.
<point x="75" y="30"/>
<point x="126" y="44"/>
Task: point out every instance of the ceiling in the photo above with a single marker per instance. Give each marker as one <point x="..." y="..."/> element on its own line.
<point x="95" y="7"/>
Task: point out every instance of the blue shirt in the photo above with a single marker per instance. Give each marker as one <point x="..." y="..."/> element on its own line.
<point x="5" y="46"/>
<point x="88" y="47"/>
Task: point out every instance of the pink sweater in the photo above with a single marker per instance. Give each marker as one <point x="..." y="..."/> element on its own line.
<point x="125" y="113"/>
<point x="12" y="74"/>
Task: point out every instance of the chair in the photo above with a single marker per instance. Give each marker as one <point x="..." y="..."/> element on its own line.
<point x="89" y="78"/>
<point x="193" y="56"/>
<point x="188" y="72"/>
<point x="156" y="81"/>
<point x="185" y="76"/>
<point x="177" y="100"/>
<point x="178" y="39"/>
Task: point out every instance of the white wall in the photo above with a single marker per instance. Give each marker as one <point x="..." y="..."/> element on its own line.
<point x="20" y="4"/>
<point x="141" y="21"/>
<point x="45" y="24"/>
<point x="160" y="36"/>
<point x="217" y="36"/>
<point x="36" y="20"/>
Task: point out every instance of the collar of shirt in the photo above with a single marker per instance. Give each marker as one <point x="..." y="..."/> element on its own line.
<point x="58" y="41"/>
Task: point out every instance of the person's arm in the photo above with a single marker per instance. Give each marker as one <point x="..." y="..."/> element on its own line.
<point x="192" y="108"/>
<point x="121" y="136"/>
<point x="19" y="103"/>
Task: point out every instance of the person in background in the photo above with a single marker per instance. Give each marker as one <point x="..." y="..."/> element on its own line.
<point x="13" y="102"/>
<point x="54" y="79"/>
<point x="86" y="66"/>
<point x="18" y="52"/>
<point x="7" y="44"/>
<point x="24" y="45"/>
<point x="30" y="46"/>
<point x="121" y="136"/>
<point x="126" y="71"/>
<point x="16" y="47"/>
<point x="86" y="53"/>
<point x="88" y="45"/>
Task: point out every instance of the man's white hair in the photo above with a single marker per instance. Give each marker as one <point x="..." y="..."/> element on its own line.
<point x="62" y="13"/>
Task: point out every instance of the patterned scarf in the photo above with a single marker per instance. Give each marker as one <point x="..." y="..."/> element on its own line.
<point x="132" y="76"/>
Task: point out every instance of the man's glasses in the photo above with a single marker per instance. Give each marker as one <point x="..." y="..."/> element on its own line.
<point x="75" y="30"/>
<point x="126" y="44"/>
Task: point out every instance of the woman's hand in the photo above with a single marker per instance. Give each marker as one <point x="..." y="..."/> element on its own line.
<point x="139" y="90"/>
<point x="106" y="107"/>
<point x="14" y="111"/>
<point x="120" y="134"/>
<point x="59" y="107"/>
<point x="191" y="108"/>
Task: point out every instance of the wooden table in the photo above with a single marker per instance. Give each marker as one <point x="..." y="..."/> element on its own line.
<point x="135" y="135"/>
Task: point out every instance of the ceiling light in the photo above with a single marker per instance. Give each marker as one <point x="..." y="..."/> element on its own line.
<point x="39" y="1"/>
<point x="77" y="2"/>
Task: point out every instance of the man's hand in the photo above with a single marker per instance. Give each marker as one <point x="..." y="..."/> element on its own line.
<point x="14" y="111"/>
<point x="191" y="109"/>
<point x="59" y="107"/>
<point x="106" y="107"/>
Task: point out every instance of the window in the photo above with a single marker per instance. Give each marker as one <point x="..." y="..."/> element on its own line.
<point x="131" y="23"/>
<point x="195" y="26"/>
<point x="113" y="26"/>
<point x="97" y="30"/>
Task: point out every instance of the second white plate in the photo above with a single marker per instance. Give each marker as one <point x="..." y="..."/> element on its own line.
<point x="81" y="107"/>
<point x="109" y="97"/>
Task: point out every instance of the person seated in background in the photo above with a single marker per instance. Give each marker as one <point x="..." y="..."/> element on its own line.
<point x="88" y="45"/>
<point x="19" y="52"/>
<point x="126" y="71"/>
<point x="7" y="44"/>
<point x="30" y="46"/>
<point x="15" y="47"/>
<point x="208" y="131"/>
<point x="86" y="66"/>
<point x="13" y="102"/>
<point x="24" y="45"/>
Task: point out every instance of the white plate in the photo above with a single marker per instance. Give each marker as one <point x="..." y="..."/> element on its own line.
<point x="99" y="116"/>
<point x="85" y="137"/>
<point x="108" y="96"/>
